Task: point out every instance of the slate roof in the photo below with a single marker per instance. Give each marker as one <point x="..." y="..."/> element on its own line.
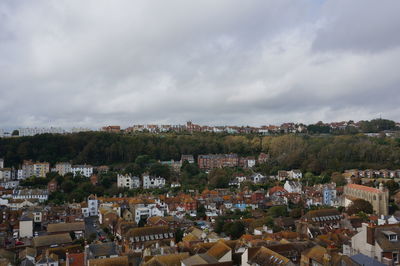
<point x="167" y="260"/>
<point x="117" y="261"/>
<point x="65" y="227"/>
<point x="199" y="259"/>
<point x="364" y="260"/>
<point x="265" y="256"/>
<point x="56" y="239"/>
<point x="103" y="249"/>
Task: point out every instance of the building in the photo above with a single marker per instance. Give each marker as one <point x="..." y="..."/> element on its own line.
<point x="141" y="236"/>
<point x="84" y="170"/>
<point x="57" y="228"/>
<point x="39" y="194"/>
<point x="211" y="161"/>
<point x="153" y="182"/>
<point x="41" y="169"/>
<point x="35" y="131"/>
<point x="380" y="242"/>
<point x="30" y="168"/>
<point x="92" y="208"/>
<point x="63" y="168"/>
<point x="292" y="186"/>
<point x="1" y="163"/>
<point x="128" y="181"/>
<point x="379" y="198"/>
<point x="295" y="174"/>
<point x="5" y="174"/>
<point x="111" y="129"/>
<point x="189" y="158"/>
<point x="52" y="186"/>
<point x="329" y="195"/>
<point x="25" y="227"/>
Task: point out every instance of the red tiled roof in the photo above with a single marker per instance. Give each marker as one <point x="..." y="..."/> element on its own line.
<point x="364" y="188"/>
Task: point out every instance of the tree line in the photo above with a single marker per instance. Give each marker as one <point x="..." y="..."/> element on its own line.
<point x="316" y="154"/>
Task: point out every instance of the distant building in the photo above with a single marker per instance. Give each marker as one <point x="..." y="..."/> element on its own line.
<point x="379" y="198"/>
<point x="38" y="169"/>
<point x="84" y="170"/>
<point x="1" y="163"/>
<point x="292" y="186"/>
<point x="329" y="195"/>
<point x="211" y="161"/>
<point x="92" y="207"/>
<point x="63" y="168"/>
<point x="153" y="182"/>
<point x="111" y="129"/>
<point x="186" y="157"/>
<point x="39" y="194"/>
<point x="128" y="181"/>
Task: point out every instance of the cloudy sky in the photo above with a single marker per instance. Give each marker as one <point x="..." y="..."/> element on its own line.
<point x="92" y="63"/>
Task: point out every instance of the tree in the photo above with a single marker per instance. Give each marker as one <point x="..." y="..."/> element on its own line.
<point x="338" y="178"/>
<point x="392" y="186"/>
<point x="235" y="229"/>
<point x="201" y="211"/>
<point x="278" y="211"/>
<point x="178" y="235"/>
<point x="15" y="133"/>
<point x="359" y="205"/>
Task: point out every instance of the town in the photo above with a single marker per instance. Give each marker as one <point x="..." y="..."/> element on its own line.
<point x="372" y="128"/>
<point x="290" y="218"/>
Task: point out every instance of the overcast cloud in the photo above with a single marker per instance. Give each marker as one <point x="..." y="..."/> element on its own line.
<point x="93" y="63"/>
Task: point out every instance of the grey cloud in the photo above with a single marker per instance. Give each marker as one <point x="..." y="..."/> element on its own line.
<point x="74" y="63"/>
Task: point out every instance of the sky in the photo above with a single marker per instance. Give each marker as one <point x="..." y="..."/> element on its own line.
<point x="74" y="63"/>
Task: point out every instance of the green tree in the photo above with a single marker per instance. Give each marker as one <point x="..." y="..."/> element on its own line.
<point x="359" y="205"/>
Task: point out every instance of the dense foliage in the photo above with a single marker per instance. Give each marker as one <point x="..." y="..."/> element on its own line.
<point x="316" y="154"/>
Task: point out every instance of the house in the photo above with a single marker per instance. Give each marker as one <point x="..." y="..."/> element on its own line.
<point x="128" y="181"/>
<point x="77" y="227"/>
<point x="101" y="250"/>
<point x="282" y="175"/>
<point x="25" y="227"/>
<point x="84" y="170"/>
<point x="62" y="168"/>
<point x="293" y="186"/>
<point x="141" y="236"/>
<point x="115" y="261"/>
<point x="43" y="242"/>
<point x="92" y="207"/>
<point x="153" y="182"/>
<point x="52" y="185"/>
<point x="187" y="157"/>
<point x="167" y="260"/>
<point x="263" y="256"/>
<point x="295" y="174"/>
<point x="257" y="178"/>
<point x="314" y="222"/>
<point x="380" y="242"/>
<point x="40" y="194"/>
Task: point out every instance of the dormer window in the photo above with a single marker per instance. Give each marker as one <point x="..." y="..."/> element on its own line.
<point x="392" y="236"/>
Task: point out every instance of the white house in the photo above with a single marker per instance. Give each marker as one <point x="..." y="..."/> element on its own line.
<point x="5" y="173"/>
<point x="295" y="174"/>
<point x="128" y="181"/>
<point x="257" y="178"/>
<point x="92" y="208"/>
<point x="153" y="182"/>
<point x="292" y="186"/>
<point x="85" y="170"/>
<point x="25" y="227"/>
<point x="39" y="194"/>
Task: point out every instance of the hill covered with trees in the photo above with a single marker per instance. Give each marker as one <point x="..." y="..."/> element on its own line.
<point x="315" y="154"/>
